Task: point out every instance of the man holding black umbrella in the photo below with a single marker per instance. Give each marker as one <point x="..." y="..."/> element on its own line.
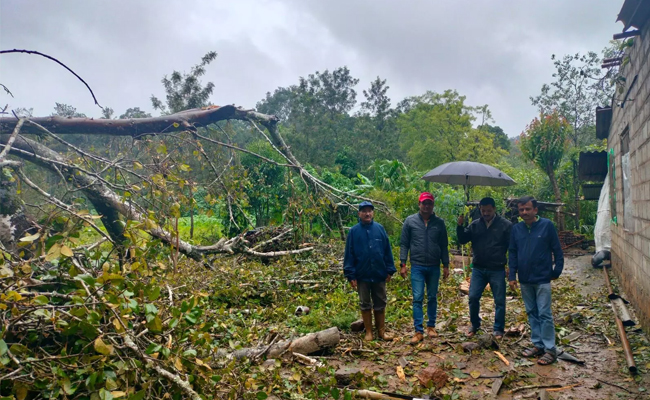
<point x="490" y="236"/>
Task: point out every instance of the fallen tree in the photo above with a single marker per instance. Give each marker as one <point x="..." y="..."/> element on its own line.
<point x="305" y="345"/>
<point x="113" y="208"/>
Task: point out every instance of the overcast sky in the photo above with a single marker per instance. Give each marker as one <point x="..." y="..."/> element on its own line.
<point x="494" y="52"/>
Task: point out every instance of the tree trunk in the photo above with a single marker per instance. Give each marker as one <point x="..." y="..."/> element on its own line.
<point x="558" y="197"/>
<point x="305" y="345"/>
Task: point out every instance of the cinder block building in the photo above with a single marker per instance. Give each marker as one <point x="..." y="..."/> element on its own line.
<point x="626" y="125"/>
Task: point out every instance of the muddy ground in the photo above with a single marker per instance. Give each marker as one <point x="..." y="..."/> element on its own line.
<point x="584" y="325"/>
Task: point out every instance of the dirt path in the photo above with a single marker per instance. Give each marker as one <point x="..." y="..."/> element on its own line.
<point x="584" y="326"/>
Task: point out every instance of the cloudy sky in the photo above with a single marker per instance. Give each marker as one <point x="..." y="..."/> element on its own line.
<point x="495" y="52"/>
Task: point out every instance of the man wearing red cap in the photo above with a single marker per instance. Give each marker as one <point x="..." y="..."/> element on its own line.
<point x="424" y="236"/>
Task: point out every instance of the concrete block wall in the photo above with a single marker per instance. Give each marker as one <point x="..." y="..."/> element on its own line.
<point x="631" y="245"/>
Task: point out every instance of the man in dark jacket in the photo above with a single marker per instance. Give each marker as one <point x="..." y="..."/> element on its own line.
<point x="424" y="236"/>
<point x="368" y="264"/>
<point x="490" y="236"/>
<point x="533" y="244"/>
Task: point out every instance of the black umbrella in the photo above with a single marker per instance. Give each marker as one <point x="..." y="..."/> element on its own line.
<point x="468" y="173"/>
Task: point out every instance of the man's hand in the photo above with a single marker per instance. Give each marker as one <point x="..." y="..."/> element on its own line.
<point x="388" y="278"/>
<point x="445" y="272"/>
<point x="513" y="285"/>
<point x="461" y="220"/>
<point x="354" y="284"/>
<point x="403" y="271"/>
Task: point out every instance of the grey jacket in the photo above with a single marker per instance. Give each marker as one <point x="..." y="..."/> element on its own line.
<point x="428" y="245"/>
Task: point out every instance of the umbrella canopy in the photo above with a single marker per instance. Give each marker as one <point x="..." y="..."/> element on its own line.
<point x="468" y="173"/>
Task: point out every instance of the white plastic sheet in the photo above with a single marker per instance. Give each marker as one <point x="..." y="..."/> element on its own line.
<point x="603" y="230"/>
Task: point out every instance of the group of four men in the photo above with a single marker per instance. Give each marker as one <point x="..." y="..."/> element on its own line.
<point x="534" y="255"/>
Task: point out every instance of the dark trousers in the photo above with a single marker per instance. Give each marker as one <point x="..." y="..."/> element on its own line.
<point x="372" y="295"/>
<point x="497" y="280"/>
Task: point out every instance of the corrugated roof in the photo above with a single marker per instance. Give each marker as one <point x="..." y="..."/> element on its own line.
<point x="634" y="13"/>
<point x="591" y="191"/>
<point x="592" y="166"/>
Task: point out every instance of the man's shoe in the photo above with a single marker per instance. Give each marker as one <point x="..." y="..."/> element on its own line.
<point x="417" y="338"/>
<point x="471" y="332"/>
<point x="367" y="324"/>
<point x="380" y="322"/>
<point x="431" y="332"/>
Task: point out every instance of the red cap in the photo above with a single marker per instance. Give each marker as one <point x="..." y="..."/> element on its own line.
<point x="426" y="196"/>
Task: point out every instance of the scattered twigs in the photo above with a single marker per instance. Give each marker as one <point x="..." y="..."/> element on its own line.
<point x="58" y="203"/>
<point x="261" y="354"/>
<point x="613" y="385"/>
<point x="272" y="240"/>
<point x="563" y="388"/>
<point x="303" y="359"/>
<point x="518" y="389"/>
<point x="502" y="358"/>
<point x="184" y="385"/>
<point x="12" y="373"/>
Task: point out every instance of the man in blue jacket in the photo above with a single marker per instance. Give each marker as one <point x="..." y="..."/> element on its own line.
<point x="533" y="242"/>
<point x="368" y="265"/>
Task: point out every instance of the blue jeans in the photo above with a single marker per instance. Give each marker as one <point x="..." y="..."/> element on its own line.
<point x="421" y="276"/>
<point x="537" y="299"/>
<point x="497" y="281"/>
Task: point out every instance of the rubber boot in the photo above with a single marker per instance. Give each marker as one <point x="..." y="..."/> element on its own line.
<point x="367" y="324"/>
<point x="380" y="321"/>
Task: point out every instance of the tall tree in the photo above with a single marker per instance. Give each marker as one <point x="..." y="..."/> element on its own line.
<point x="501" y="140"/>
<point x="575" y="94"/>
<point x="377" y="103"/>
<point x="185" y="91"/>
<point x="66" y="110"/>
<point x="479" y="145"/>
<point x="315" y="114"/>
<point x="134" y="112"/>
<point x="107" y="113"/>
<point x="545" y="142"/>
<point x="433" y="126"/>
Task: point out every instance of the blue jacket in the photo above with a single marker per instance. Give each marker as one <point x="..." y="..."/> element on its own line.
<point x="530" y="252"/>
<point x="368" y="256"/>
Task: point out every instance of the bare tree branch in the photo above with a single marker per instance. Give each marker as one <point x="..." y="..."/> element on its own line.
<point x="38" y="53"/>
<point x="12" y="138"/>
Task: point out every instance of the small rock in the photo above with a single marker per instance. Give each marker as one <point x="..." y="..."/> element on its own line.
<point x="269" y="364"/>
<point x="461" y="365"/>
<point x="573" y="336"/>
<point x="302" y="310"/>
<point x="469" y="346"/>
<point x="515" y="330"/>
<point x="357" y="326"/>
<point x="403" y="362"/>
<point x="433" y="374"/>
<point x="487" y="341"/>
<point x="345" y="375"/>
<point x="496" y="386"/>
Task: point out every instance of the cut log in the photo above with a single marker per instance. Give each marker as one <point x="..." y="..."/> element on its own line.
<point x="357" y="326"/>
<point x="305" y="345"/>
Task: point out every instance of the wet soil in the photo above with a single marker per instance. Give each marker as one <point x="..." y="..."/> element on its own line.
<point x="585" y="328"/>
